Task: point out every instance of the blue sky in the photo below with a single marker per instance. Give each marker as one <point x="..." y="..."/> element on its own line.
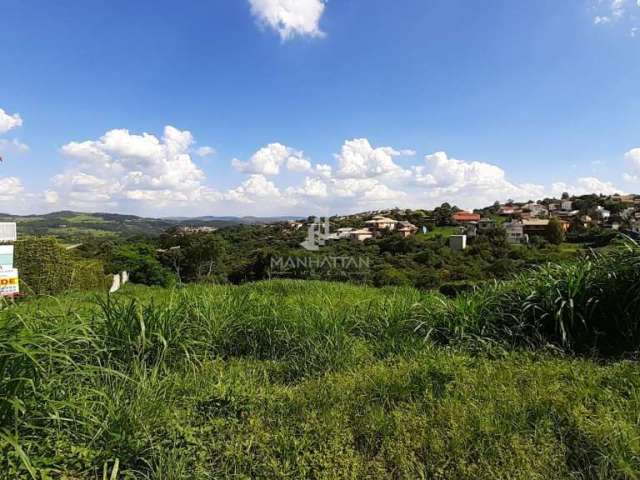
<point x="303" y="106"/>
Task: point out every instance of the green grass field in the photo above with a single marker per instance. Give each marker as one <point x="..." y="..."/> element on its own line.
<point x="531" y="379"/>
<point x="439" y="231"/>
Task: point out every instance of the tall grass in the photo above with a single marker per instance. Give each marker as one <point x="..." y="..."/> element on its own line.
<point x="293" y="379"/>
<point x="591" y="306"/>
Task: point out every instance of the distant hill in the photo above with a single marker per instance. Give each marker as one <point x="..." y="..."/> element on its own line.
<point x="75" y="226"/>
<point x="235" y="220"/>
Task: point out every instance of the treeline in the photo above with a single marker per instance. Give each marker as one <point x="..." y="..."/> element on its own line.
<point x="251" y="253"/>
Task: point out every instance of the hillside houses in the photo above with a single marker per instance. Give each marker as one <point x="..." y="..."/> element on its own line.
<point x="520" y="221"/>
<point x="589" y="210"/>
<point x="189" y="229"/>
<point x="373" y="228"/>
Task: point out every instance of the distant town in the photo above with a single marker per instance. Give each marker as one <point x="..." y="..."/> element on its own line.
<point x="521" y="221"/>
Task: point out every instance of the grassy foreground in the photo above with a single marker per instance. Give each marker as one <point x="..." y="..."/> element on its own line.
<point x="533" y="379"/>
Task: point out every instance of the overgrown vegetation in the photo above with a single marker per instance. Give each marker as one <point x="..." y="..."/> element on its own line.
<point x="46" y="267"/>
<point x="531" y="378"/>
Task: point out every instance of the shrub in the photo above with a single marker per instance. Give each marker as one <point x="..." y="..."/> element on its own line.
<point x="46" y="267"/>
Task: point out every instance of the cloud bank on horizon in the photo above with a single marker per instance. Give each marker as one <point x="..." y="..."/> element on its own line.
<point x="132" y="172"/>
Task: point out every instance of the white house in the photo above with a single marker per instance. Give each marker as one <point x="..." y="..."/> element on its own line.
<point x="566" y="205"/>
<point x="361" y="235"/>
<point x="344" y="232"/>
<point x="536" y="209"/>
<point x="406" y="228"/>
<point x="515" y="232"/>
<point x="382" y="223"/>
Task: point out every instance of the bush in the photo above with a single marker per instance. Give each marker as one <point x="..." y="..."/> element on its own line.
<point x="46" y="267"/>
<point x="452" y="290"/>
<point x="139" y="261"/>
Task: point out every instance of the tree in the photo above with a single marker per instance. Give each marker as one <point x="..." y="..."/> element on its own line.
<point x="198" y="257"/>
<point x="139" y="260"/>
<point x="443" y="214"/>
<point x="555" y="232"/>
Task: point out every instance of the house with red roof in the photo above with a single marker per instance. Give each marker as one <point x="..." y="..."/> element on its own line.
<point x="465" y="217"/>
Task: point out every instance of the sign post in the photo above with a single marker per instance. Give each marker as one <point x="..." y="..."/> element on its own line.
<point x="9" y="285"/>
<point x="9" y="279"/>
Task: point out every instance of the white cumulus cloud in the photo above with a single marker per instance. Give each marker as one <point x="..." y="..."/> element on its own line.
<point x="10" y="188"/>
<point x="584" y="186"/>
<point x="358" y="159"/>
<point x="269" y="159"/>
<point x="256" y="188"/>
<point x="311" y="187"/>
<point x="290" y="17"/>
<point x="472" y="182"/>
<point x="8" y="121"/>
<point x="122" y="166"/>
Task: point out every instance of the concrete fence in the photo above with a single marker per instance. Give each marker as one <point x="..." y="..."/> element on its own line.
<point x="119" y="280"/>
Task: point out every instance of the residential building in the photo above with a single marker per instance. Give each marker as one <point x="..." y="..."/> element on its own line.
<point x="361" y="235"/>
<point x="566" y="205"/>
<point x="379" y="223"/>
<point x="565" y="214"/>
<point x="509" y="210"/>
<point x="344" y="232"/>
<point x="536" y="209"/>
<point x="515" y="232"/>
<point x="539" y="226"/>
<point x="406" y="228"/>
<point x="458" y="242"/>
<point x="464" y="217"/>
<point x="486" y="224"/>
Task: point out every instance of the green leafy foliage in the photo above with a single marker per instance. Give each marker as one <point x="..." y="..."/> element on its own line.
<point x="46" y="267"/>
<point x="555" y="231"/>
<point x="141" y="262"/>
